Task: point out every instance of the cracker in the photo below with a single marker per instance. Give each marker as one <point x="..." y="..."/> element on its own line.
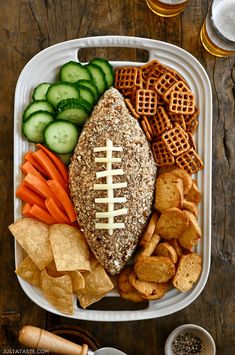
<point x="188" y="272"/>
<point x="172" y="223"/>
<point x="191" y="207"/>
<point x="169" y="192"/>
<point x="193" y="194"/>
<point x="186" y="178"/>
<point x="149" y="230"/>
<point x="154" y="269"/>
<point x="150" y="246"/>
<point x="165" y="249"/>
<point x="190" y="236"/>
<point x="176" y="245"/>
<point x="124" y="284"/>
<point x="149" y="290"/>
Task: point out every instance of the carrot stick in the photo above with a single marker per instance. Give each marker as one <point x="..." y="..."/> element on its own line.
<point x="29" y="157"/>
<point x="27" y="167"/>
<point x="26" y="210"/>
<point x="56" y="212"/>
<point x="39" y="186"/>
<point x="64" y="198"/>
<point x="29" y="196"/>
<point x="39" y="213"/>
<point x="48" y="166"/>
<point x="56" y="160"/>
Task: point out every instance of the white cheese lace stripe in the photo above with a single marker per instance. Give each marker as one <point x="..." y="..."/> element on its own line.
<point x="109" y="173"/>
<point x="109" y="187"/>
<point x="106" y="160"/>
<point x="114" y="213"/>
<point x="109" y="226"/>
<point x="110" y="200"/>
<point x="105" y="149"/>
<point x="117" y="185"/>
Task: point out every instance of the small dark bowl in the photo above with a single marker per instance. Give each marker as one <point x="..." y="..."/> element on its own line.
<point x="76" y="334"/>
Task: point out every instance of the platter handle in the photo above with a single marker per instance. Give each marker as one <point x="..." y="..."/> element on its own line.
<point x="117" y="41"/>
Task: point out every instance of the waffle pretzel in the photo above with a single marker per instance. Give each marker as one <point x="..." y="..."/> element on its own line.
<point x="161" y="154"/>
<point x="160" y="122"/>
<point x="131" y="108"/>
<point x="189" y="161"/>
<point x="176" y="140"/>
<point x="175" y="118"/>
<point x="150" y="83"/>
<point x="127" y="77"/>
<point x="178" y="86"/>
<point x="158" y="70"/>
<point x="147" y="128"/>
<point x="181" y="102"/>
<point x="164" y="83"/>
<point x="148" y="68"/>
<point x="146" y="102"/>
<point x="191" y="125"/>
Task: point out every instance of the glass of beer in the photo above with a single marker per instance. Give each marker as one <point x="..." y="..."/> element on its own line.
<point x="167" y="8"/>
<point x="218" y="30"/>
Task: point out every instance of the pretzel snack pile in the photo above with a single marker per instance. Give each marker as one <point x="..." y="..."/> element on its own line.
<point x="160" y="98"/>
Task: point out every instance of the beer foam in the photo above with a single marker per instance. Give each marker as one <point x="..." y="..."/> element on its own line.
<point x="223" y="16"/>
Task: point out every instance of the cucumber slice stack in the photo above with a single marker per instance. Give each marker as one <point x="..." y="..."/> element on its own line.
<point x="58" y="110"/>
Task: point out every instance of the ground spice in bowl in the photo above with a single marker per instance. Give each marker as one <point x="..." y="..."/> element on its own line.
<point x="187" y="344"/>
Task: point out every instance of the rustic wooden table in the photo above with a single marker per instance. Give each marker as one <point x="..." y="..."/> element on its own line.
<point x="27" y="27"/>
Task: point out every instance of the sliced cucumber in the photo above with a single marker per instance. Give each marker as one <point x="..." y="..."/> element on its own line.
<point x="98" y="77"/>
<point x="86" y="94"/>
<point x="37" y="105"/>
<point x="74" y="111"/>
<point x="35" y="124"/>
<point x="40" y="91"/>
<point x="107" y="68"/>
<point x="66" y="158"/>
<point x="74" y="71"/>
<point x="61" y="91"/>
<point x="90" y="85"/>
<point x="61" y="136"/>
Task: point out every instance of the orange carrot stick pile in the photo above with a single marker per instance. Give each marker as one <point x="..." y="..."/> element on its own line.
<point x="44" y="188"/>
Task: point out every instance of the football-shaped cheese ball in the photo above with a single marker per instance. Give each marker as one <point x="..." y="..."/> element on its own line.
<point x="112" y="179"/>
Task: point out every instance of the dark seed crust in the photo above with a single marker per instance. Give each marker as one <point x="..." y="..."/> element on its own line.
<point x="111" y="120"/>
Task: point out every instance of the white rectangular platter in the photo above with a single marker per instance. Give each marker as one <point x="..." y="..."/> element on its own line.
<point x="45" y="67"/>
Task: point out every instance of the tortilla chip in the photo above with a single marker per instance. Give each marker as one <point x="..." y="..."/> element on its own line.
<point x="69" y="248"/>
<point x="29" y="272"/>
<point x="52" y="271"/>
<point x="33" y="236"/>
<point x="76" y="276"/>
<point x="58" y="291"/>
<point x="78" y="281"/>
<point x="97" y="285"/>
